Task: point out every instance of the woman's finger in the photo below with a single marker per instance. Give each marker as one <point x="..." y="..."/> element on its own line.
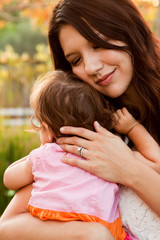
<point x="102" y="130"/>
<point x="82" y="132"/>
<point x="73" y="142"/>
<point x="80" y="151"/>
<point x="77" y="163"/>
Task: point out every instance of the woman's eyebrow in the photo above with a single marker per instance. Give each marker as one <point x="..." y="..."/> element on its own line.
<point x="69" y="54"/>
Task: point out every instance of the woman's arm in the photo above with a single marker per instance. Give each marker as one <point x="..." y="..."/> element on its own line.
<point x="17" y="223"/>
<point x="18" y="174"/>
<point x="109" y="158"/>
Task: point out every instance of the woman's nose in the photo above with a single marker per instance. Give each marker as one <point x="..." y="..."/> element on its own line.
<point x="92" y="65"/>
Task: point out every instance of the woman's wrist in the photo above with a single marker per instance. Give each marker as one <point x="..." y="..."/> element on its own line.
<point x="133" y="171"/>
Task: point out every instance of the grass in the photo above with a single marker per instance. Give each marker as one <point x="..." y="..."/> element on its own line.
<point x="15" y="143"/>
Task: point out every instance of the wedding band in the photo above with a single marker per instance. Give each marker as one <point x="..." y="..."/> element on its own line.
<point x="80" y="151"/>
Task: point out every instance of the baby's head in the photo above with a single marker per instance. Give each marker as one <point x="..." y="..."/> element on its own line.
<point x="61" y="99"/>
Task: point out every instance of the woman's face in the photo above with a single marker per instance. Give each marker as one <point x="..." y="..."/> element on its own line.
<point x="108" y="71"/>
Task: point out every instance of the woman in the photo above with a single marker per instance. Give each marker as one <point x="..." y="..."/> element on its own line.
<point x="107" y="44"/>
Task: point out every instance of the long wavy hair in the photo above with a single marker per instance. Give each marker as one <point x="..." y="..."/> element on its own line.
<point x="120" y="20"/>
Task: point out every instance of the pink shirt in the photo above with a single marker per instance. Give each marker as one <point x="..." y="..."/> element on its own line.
<point x="64" y="188"/>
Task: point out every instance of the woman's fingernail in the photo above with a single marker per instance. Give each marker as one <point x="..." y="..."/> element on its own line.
<point x="63" y="159"/>
<point x="62" y="129"/>
<point x="97" y="124"/>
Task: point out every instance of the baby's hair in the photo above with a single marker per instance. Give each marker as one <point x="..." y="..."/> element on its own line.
<point x="61" y="99"/>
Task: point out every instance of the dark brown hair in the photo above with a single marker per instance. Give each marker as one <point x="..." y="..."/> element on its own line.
<point x="60" y="99"/>
<point x="118" y="20"/>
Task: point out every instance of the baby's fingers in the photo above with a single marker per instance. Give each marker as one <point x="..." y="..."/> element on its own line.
<point x="116" y="118"/>
<point x="119" y="113"/>
<point x="79" y="151"/>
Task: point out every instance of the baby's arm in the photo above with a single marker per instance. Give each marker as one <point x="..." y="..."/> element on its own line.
<point x="143" y="141"/>
<point x="18" y="174"/>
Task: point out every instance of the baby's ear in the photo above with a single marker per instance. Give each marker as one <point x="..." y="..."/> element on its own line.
<point x="51" y="134"/>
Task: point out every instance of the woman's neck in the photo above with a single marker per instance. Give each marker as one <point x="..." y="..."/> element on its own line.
<point x="133" y="99"/>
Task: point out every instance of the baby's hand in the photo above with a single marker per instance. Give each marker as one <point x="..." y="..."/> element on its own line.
<point x="124" y="121"/>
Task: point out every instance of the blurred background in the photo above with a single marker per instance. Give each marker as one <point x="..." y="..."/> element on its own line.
<point x="24" y="55"/>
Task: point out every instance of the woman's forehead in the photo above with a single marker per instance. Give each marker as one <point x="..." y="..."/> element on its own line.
<point x="69" y="37"/>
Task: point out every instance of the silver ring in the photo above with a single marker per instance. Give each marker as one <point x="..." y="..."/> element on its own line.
<point x="80" y="151"/>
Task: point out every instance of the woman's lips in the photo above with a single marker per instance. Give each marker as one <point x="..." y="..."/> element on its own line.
<point x="106" y="79"/>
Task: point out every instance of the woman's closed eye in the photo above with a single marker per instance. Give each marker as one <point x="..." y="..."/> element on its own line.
<point x="96" y="46"/>
<point x="75" y="61"/>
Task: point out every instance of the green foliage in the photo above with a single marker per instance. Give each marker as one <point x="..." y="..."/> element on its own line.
<point x="18" y="73"/>
<point x="15" y="143"/>
<point x="24" y="55"/>
<point x="22" y="37"/>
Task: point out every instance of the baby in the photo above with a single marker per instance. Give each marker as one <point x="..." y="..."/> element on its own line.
<point x="62" y="192"/>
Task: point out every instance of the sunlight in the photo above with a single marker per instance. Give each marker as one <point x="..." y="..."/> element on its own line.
<point x="154" y="2"/>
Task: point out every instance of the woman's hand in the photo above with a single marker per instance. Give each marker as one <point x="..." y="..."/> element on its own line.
<point x="107" y="156"/>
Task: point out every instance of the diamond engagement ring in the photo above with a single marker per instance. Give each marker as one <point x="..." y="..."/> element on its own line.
<point x="80" y="151"/>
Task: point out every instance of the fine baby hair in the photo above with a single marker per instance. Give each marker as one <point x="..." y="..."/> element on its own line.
<point x="61" y="99"/>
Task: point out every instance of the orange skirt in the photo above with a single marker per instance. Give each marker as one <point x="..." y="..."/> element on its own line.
<point x="115" y="228"/>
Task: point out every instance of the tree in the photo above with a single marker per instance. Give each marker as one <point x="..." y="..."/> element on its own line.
<point x="18" y="73"/>
<point x="158" y="21"/>
<point x="151" y="13"/>
<point x="37" y="11"/>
